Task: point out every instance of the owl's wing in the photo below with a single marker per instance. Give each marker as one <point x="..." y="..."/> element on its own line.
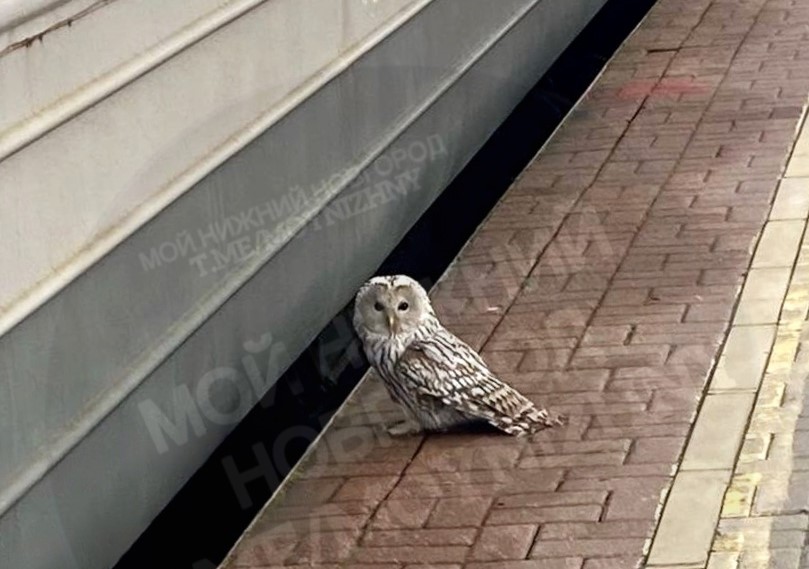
<point x="445" y="367"/>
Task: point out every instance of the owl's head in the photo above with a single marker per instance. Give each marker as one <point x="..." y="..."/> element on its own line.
<point x="391" y="306"/>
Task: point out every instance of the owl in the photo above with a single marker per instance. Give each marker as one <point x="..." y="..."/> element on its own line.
<point x="439" y="380"/>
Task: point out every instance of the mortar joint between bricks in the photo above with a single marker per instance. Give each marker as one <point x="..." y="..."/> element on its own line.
<point x="605" y="507"/>
<point x="632" y="330"/>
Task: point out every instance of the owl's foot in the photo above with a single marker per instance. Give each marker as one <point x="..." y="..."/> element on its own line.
<point x="403" y="428"/>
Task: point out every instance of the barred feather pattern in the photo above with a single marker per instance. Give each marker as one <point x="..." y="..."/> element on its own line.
<point x="441" y="382"/>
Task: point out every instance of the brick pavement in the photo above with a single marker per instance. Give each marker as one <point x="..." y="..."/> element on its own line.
<point x="602" y="284"/>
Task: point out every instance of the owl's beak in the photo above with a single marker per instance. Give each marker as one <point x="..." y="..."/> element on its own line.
<point x="392" y="324"/>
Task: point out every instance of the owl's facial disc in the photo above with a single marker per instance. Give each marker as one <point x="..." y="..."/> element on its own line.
<point x="391" y="310"/>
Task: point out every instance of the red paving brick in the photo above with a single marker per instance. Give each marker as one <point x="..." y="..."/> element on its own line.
<point x="602" y="285"/>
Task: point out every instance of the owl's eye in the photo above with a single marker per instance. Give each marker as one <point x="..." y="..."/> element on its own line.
<point x="403" y="306"/>
<point x="378" y="307"/>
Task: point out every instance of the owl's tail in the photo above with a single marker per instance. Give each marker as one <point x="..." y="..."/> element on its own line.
<point x="532" y="420"/>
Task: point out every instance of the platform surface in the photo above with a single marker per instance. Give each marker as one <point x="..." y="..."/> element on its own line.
<point x="648" y="276"/>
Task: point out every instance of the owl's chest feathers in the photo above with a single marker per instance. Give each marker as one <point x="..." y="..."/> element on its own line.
<point x="384" y="352"/>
